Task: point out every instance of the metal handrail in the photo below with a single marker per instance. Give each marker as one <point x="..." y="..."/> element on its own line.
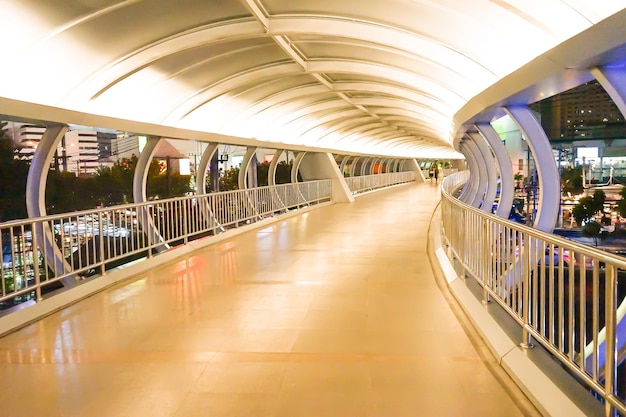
<point x="45" y="253"/>
<point x="567" y="296"/>
<point x="364" y="183"/>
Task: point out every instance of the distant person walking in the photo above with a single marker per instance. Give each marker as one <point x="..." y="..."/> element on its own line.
<point x="436" y="172"/>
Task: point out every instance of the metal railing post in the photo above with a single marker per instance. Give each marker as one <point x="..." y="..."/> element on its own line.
<point x="610" y="368"/>
<point x="485" y="258"/>
<point x="524" y="282"/>
<point x="36" y="270"/>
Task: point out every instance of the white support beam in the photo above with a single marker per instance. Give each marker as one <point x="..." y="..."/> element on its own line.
<point x="245" y="165"/>
<point x="490" y="171"/>
<point x="344" y="162"/>
<point x="36" y="198"/>
<point x="271" y="172"/>
<point x="201" y="173"/>
<point x="296" y="166"/>
<point x="319" y="166"/>
<point x="468" y="191"/>
<point x="480" y="186"/>
<point x="140" y="180"/>
<point x="507" y="186"/>
<point x="547" y="171"/>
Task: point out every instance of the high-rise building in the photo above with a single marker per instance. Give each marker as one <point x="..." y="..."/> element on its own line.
<point x="78" y="151"/>
<point x="582" y="113"/>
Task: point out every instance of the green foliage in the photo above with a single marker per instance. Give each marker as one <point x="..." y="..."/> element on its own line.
<point x="13" y="174"/>
<point x="66" y="193"/>
<point x="593" y="229"/>
<point x="588" y="207"/>
<point x="230" y="180"/>
<point x="572" y="180"/>
<point x="621" y="204"/>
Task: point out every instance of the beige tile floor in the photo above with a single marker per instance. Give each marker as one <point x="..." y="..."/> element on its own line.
<point x="332" y="313"/>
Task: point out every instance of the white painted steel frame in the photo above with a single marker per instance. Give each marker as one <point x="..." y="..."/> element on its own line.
<point x="36" y="195"/>
<point x="507" y="187"/>
<point x="490" y="171"/>
<point x="549" y="201"/>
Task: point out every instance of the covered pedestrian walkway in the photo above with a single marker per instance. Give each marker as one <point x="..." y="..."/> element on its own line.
<point x="334" y="312"/>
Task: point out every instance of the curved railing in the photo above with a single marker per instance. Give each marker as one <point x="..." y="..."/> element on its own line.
<point x="365" y="183"/>
<point x="83" y="245"/>
<point x="566" y="296"/>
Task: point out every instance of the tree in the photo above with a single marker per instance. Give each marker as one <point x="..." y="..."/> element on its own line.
<point x="621" y="204"/>
<point x="593" y="229"/>
<point x="588" y="207"/>
<point x="572" y="180"/>
<point x="230" y="180"/>
<point x="13" y="174"/>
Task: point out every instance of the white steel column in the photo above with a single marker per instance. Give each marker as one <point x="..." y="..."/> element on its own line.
<point x="469" y="190"/>
<point x="490" y="171"/>
<point x="271" y="172"/>
<point x="36" y="197"/>
<point x="201" y="173"/>
<point x="140" y="180"/>
<point x="507" y="186"/>
<point x="245" y="165"/>
<point x="364" y="166"/>
<point x="481" y="183"/>
<point x="322" y="166"/>
<point x="547" y="171"/>
<point x="344" y="162"/>
<point x="465" y="189"/>
<point x="353" y="166"/>
<point x="296" y="166"/>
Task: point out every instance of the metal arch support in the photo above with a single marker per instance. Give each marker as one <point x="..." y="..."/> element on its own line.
<point x="613" y="80"/>
<point x="271" y="172"/>
<point x="245" y="165"/>
<point x="370" y="167"/>
<point x="353" y="172"/>
<point x="547" y="171"/>
<point x="140" y="180"/>
<point x="507" y="186"/>
<point x="469" y="190"/>
<point x="364" y="166"/>
<point x="480" y="180"/>
<point x="296" y="166"/>
<point x="271" y="178"/>
<point x="140" y="177"/>
<point x="381" y="165"/>
<point x="201" y="174"/>
<point x="36" y="197"/>
<point x="344" y="162"/>
<point x="490" y="168"/>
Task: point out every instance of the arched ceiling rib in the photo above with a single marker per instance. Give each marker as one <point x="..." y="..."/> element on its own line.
<point x="372" y="77"/>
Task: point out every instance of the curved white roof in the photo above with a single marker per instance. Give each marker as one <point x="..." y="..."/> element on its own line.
<point x="377" y="77"/>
